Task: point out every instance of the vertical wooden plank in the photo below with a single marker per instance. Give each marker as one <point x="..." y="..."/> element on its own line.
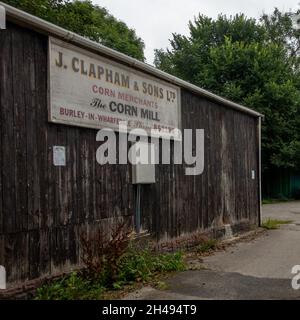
<point x="91" y="159"/>
<point x="62" y="183"/>
<point x="15" y="260"/>
<point x="23" y="249"/>
<point x="32" y="139"/>
<point x="19" y="127"/>
<point x="247" y="158"/>
<point x="73" y="247"/>
<point x="2" y="250"/>
<point x="98" y="181"/>
<point x="40" y="56"/>
<point x="80" y="177"/>
<point x="92" y="177"/>
<point x="55" y="243"/>
<point x="229" y="169"/>
<point x="254" y="155"/>
<point x="162" y="212"/>
<point x="10" y="257"/>
<point x="71" y="176"/>
<point x="199" y="123"/>
<point x="205" y="194"/>
<point x="205" y="176"/>
<point x="34" y="254"/>
<point x="44" y="252"/>
<point x="86" y="176"/>
<point x="8" y="135"/>
<point x="51" y="176"/>
<point x="2" y="35"/>
<point x="172" y="188"/>
<point x="212" y="188"/>
<point x="237" y="162"/>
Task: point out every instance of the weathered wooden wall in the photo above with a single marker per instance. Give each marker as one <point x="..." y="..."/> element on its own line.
<point x="225" y="192"/>
<point x="44" y="208"/>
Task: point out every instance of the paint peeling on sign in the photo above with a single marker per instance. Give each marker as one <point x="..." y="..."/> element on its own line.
<point x="91" y="91"/>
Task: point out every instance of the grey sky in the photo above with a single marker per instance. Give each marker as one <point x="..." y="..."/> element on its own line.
<point x="155" y="20"/>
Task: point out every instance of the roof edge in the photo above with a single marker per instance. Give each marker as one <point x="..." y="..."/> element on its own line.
<point x="41" y="25"/>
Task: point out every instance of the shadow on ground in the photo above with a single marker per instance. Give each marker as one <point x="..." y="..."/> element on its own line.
<point x="208" y="284"/>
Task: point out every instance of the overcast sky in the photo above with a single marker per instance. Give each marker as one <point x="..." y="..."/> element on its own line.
<point x="155" y="20"/>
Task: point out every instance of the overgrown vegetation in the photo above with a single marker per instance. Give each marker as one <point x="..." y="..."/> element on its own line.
<point x="101" y="253"/>
<point x="135" y="266"/>
<point x="207" y="246"/>
<point x="73" y="287"/>
<point x="271" y="224"/>
<point x="143" y="265"/>
<point x="110" y="263"/>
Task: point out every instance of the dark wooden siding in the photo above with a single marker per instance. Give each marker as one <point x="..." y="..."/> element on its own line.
<point x="225" y="192"/>
<point x="44" y="208"/>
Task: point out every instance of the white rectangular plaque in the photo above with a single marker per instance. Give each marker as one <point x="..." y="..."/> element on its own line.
<point x="59" y="155"/>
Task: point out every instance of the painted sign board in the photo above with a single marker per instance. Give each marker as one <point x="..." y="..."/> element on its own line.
<point x="91" y="91"/>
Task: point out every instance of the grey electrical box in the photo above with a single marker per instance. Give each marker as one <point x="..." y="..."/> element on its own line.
<point x="143" y="173"/>
<point x="143" y="167"/>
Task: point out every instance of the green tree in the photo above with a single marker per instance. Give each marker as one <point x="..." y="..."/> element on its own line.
<point x="279" y="28"/>
<point x="88" y="20"/>
<point x="252" y="63"/>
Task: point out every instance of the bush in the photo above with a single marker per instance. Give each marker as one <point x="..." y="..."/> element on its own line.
<point x="207" y="246"/>
<point x="73" y="287"/>
<point x="133" y="266"/>
<point x="141" y="266"/>
<point x="102" y="253"/>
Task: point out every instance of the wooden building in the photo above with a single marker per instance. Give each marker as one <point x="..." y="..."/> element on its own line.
<point x="44" y="207"/>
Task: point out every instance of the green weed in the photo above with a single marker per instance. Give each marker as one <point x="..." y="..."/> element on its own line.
<point x="134" y="266"/>
<point x="207" y="246"/>
<point x="271" y="224"/>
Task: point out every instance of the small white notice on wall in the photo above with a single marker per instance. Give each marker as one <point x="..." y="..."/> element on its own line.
<point x="253" y="174"/>
<point x="59" y="155"/>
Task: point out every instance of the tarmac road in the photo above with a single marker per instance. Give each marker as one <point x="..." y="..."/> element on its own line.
<point x="258" y="269"/>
